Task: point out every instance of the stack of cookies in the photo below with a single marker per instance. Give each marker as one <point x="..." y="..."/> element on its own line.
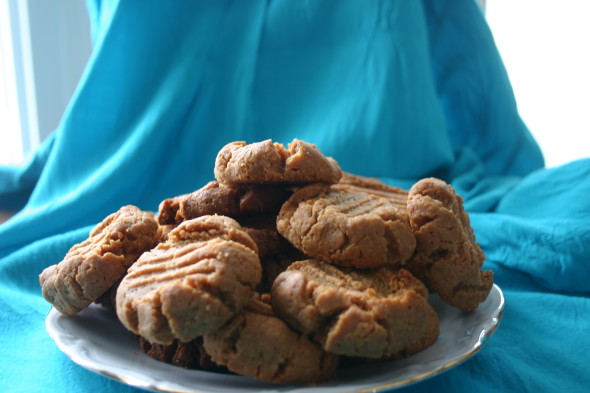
<point x="280" y="268"/>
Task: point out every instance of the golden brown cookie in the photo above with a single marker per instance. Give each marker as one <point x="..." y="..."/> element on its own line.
<point x="191" y="284"/>
<point x="448" y="259"/>
<point x="231" y="200"/>
<point x="91" y="267"/>
<point x="259" y="345"/>
<point x="346" y="227"/>
<point x="378" y="313"/>
<point x="268" y="162"/>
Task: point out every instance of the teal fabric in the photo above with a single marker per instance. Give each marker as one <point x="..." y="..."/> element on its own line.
<point x="393" y="89"/>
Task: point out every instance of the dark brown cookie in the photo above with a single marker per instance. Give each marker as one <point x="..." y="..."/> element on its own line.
<point x="273" y="265"/>
<point x="168" y="210"/>
<point x="346" y="227"/>
<point x="448" y="259"/>
<point x="269" y="241"/>
<point x="378" y="313"/>
<point x="259" y="345"/>
<point x="90" y="268"/>
<point x="190" y="355"/>
<point x="231" y="200"/>
<point x="268" y="162"/>
<point x="276" y="253"/>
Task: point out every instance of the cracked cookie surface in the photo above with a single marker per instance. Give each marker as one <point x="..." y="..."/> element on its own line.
<point x="448" y="259"/>
<point x="346" y="227"/>
<point x="91" y="267"/>
<point x="258" y="344"/>
<point x="268" y="162"/>
<point x="191" y="284"/>
<point x="378" y="313"/>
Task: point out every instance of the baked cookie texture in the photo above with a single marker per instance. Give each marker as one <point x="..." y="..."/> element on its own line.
<point x="371" y="185"/>
<point x="268" y="162"/>
<point x="211" y="227"/>
<point x="276" y="253"/>
<point x="91" y="267"/>
<point x="346" y="227"/>
<point x="257" y="344"/>
<point x="281" y="269"/>
<point x="233" y="200"/>
<point x="448" y="258"/>
<point x="190" y="355"/>
<point x="191" y="284"/>
<point x="378" y="313"/>
<point x="168" y="210"/>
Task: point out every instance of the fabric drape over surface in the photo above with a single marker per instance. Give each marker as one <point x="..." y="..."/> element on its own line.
<point x="393" y="89"/>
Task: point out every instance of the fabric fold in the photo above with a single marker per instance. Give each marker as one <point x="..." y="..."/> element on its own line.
<point x="542" y="227"/>
<point x="398" y="90"/>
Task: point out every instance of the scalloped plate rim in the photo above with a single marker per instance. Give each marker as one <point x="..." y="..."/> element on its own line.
<point x="80" y="338"/>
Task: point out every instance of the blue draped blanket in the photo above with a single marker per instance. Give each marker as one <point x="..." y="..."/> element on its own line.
<point x="393" y="89"/>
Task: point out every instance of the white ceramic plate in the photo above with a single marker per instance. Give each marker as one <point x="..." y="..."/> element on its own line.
<point x="96" y="340"/>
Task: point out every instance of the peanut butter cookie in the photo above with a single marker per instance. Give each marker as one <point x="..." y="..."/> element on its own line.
<point x="191" y="284"/>
<point x="257" y="344"/>
<point x="233" y="200"/>
<point x="90" y="268"/>
<point x="448" y="259"/>
<point x="268" y="162"/>
<point x="378" y="313"/>
<point x="346" y="227"/>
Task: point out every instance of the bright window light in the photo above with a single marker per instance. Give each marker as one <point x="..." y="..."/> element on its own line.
<point x="11" y="147"/>
<point x="545" y="47"/>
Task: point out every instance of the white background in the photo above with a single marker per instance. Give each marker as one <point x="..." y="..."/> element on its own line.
<point x="545" y="45"/>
